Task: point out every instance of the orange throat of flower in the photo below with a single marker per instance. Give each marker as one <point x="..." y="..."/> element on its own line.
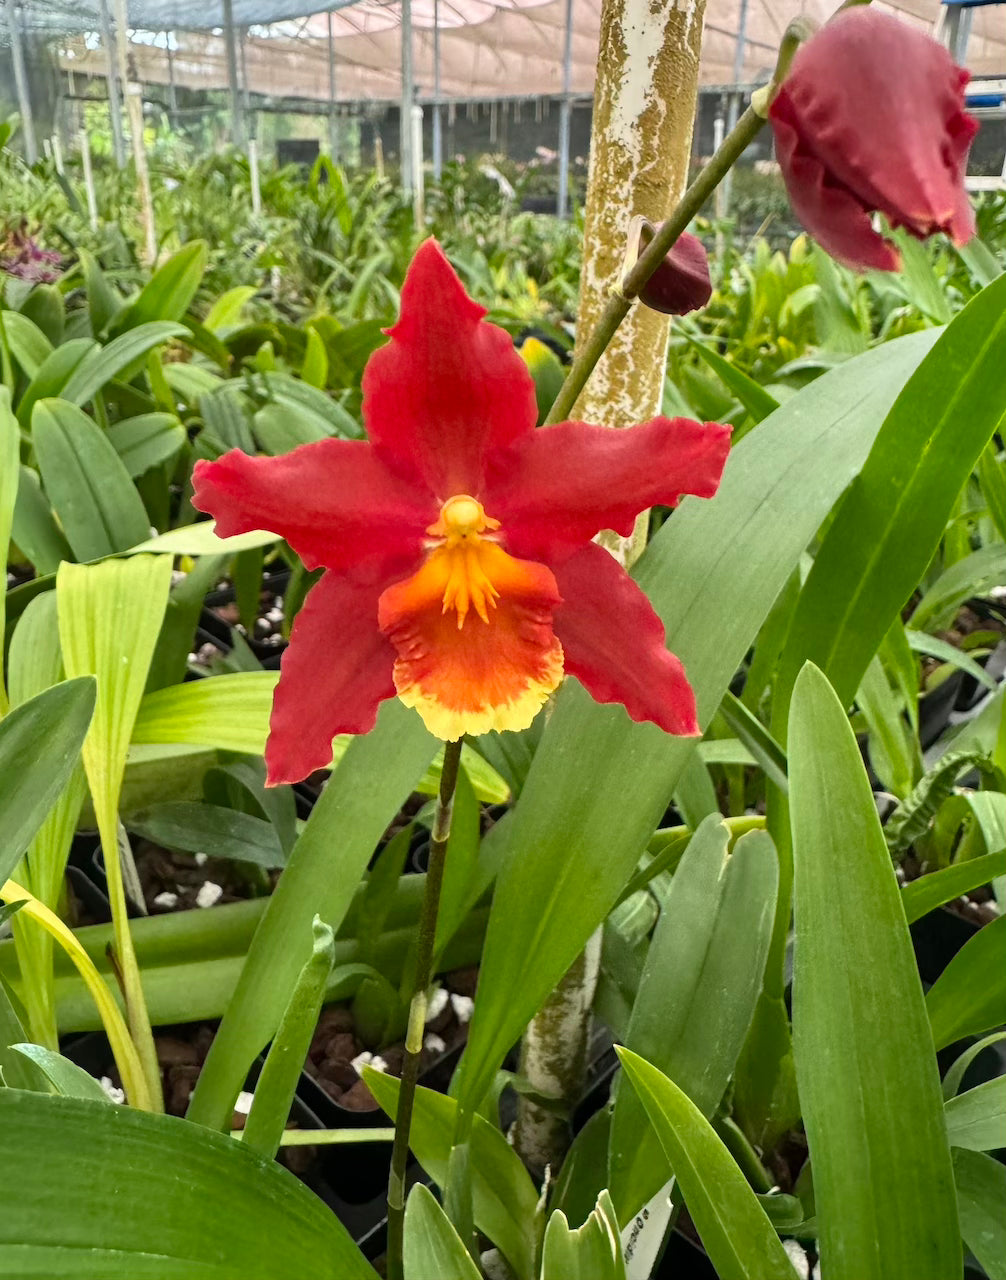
<point x="494" y="673"/>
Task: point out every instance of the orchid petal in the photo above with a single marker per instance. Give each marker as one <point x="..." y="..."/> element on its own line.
<point x="334" y="674"/>
<point x="448" y="387"/>
<point x="555" y="490"/>
<point x="615" y="644"/>
<point x="492" y="668"/>
<point x="336" y="502"/>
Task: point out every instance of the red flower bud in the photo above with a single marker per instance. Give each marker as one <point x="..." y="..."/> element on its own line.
<point x="681" y="283"/>
<point x="871" y="118"/>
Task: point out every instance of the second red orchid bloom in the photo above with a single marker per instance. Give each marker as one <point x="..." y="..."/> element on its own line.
<point x="457" y="542"/>
<point x="871" y="118"/>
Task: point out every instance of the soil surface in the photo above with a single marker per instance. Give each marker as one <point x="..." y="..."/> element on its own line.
<point x="335" y="1045"/>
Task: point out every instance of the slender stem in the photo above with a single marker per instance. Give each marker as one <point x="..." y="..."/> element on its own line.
<point x="620" y="302"/>
<point x="417" y="1008"/>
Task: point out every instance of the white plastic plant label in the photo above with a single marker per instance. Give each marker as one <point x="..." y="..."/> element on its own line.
<point x="642" y="1237"/>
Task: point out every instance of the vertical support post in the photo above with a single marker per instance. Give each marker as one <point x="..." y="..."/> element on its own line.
<point x="333" y="124"/>
<point x="565" y="110"/>
<point x="133" y="95"/>
<point x="734" y="104"/>
<point x="418" y="186"/>
<point x="408" y="98"/>
<point x="719" y="199"/>
<point x="172" y="91"/>
<point x="21" y="83"/>
<point x="57" y="154"/>
<point x="237" y="118"/>
<point x="256" y="189"/>
<point x="438" y="125"/>
<point x="92" y="200"/>
<point x="114" y="88"/>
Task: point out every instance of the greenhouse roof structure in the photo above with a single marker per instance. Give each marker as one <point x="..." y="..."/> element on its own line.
<point x="462" y="49"/>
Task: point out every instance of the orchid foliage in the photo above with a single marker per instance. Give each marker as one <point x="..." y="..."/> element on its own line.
<point x="655" y="778"/>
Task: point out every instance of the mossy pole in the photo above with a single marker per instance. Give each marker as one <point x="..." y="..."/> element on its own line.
<point x="644" y="108"/>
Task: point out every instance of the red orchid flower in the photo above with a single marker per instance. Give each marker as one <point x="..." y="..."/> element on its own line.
<point x="871" y="117"/>
<point x="460" y="571"/>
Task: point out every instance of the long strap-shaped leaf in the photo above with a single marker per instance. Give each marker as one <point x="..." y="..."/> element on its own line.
<point x="599" y="783"/>
<point x="865" y="1059"/>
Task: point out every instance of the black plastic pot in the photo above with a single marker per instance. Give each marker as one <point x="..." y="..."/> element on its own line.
<point x="935" y="708"/>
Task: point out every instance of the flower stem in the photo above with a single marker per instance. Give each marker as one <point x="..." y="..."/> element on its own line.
<point x="417" y="1008"/>
<point x="620" y="302"/>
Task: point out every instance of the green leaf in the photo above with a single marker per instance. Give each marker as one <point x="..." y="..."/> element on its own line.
<point x="103" y="364"/>
<point x="315" y="368"/>
<point x="968" y="577"/>
<point x="883" y="1182"/>
<point x="708" y="952"/>
<point x="89" y="487"/>
<point x="40" y="743"/>
<point x="766" y="752"/>
<point x="285" y="1060"/>
<point x="110" y="615"/>
<point x="53" y="375"/>
<point x="893" y="746"/>
<point x="546" y="369"/>
<point x="758" y="402"/>
<point x="969" y="996"/>
<point x="991" y="472"/>
<point x="69" y="1080"/>
<point x="146" y="441"/>
<point x="461" y="862"/>
<point x="103" y="303"/>
<point x="35" y="530"/>
<point x="374" y="776"/>
<point x="432" y="1246"/>
<point x="952" y="1080"/>
<point x="10" y="455"/>
<point x="977" y="1119"/>
<point x="231" y="712"/>
<point x="913" y="815"/>
<point x="201" y="540"/>
<point x="503" y="1195"/>
<point x="890" y="523"/>
<point x="928" y="892"/>
<point x="28" y="344"/>
<point x="226" y="412"/>
<point x="981" y="1196"/>
<point x="226" y="311"/>
<point x="193" y="827"/>
<point x="734" y="1228"/>
<point x="934" y="647"/>
<point x="114" y="1192"/>
<point x="599" y="783"/>
<point x="169" y="292"/>
<point x="590" y="1252"/>
<point x="280" y="428"/>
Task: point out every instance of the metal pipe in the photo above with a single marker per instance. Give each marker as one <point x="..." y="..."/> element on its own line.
<point x="333" y="125"/>
<point x="172" y="92"/>
<point x="733" y="106"/>
<point x="256" y="189"/>
<point x="237" y="117"/>
<point x="408" y="97"/>
<point x="133" y="97"/>
<point x="21" y="83"/>
<point x="112" y="81"/>
<point x="418" y="186"/>
<point x="438" y="128"/>
<point x="92" y="201"/>
<point x="565" y="111"/>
